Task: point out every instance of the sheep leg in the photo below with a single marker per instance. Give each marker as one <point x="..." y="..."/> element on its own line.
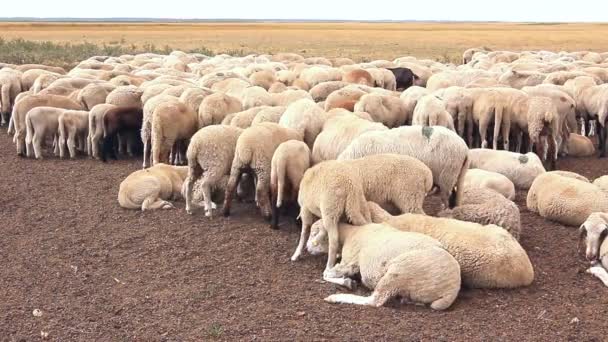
<point x="233" y="181"/>
<point x="342" y="270"/>
<point x="11" y="126"/>
<point x="307" y="218"/>
<point x="37" y="145"/>
<point x="276" y="210"/>
<point x="209" y="205"/>
<point x="146" y="153"/>
<point x="152" y="203"/>
<point x="348" y="298"/>
<point x="600" y="273"/>
<point x="263" y="193"/>
<point x="331" y="224"/>
<point x="71" y="144"/>
<point x="194" y="172"/>
<point x="602" y="140"/>
<point x="483" y="132"/>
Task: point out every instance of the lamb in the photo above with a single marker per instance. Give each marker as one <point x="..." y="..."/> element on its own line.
<point x="151" y="188"/>
<point x="96" y="115"/>
<point x="253" y="154"/>
<point x="441" y="149"/>
<point x="338" y="132"/>
<point x="306" y="118"/>
<point x="521" y="169"/>
<point x="593" y="231"/>
<point x="335" y="189"/>
<point x="41" y="122"/>
<point x="10" y="87"/>
<point x="430" y="111"/>
<point x="568" y="200"/>
<point x="289" y="162"/>
<point x="146" y="126"/>
<point x="579" y="146"/>
<point x="478" y="178"/>
<point x="388" y="110"/>
<point x="489" y="256"/>
<point x="410" y="97"/>
<point x="172" y="122"/>
<point x="486" y="206"/>
<point x="23" y="106"/>
<point x="73" y="126"/>
<point x="210" y="154"/>
<point x="216" y="107"/>
<point x="392" y="263"/>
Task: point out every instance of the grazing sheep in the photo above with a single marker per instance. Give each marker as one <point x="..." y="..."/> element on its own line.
<point x="392" y="263"/>
<point x="10" y="87"/>
<point x="430" y="111"/>
<point x="335" y="189"/>
<point x="262" y="79"/>
<point x="521" y="169"/>
<point x="338" y="132"/>
<point x="255" y="97"/>
<point x="253" y="154"/>
<point x="151" y="188"/>
<point x="73" y="127"/>
<point x="404" y="77"/>
<point x="125" y="96"/>
<point x="441" y="149"/>
<point x="410" y="97"/>
<point x="560" y="197"/>
<point x="289" y="162"/>
<point x="96" y="115"/>
<point x="172" y="123"/>
<point x="579" y="146"/>
<point x="119" y="120"/>
<point x="358" y="76"/>
<point x="489" y="256"/>
<point x="26" y="103"/>
<point x="486" y="206"/>
<point x="543" y="120"/>
<point x="216" y="107"/>
<point x="210" y="154"/>
<point x="345" y="98"/>
<point x="277" y="87"/>
<point x="94" y="94"/>
<point x="269" y="114"/>
<point x="478" y="178"/>
<point x="321" y="91"/>
<point x="146" y="126"/>
<point x="305" y="117"/>
<point x="388" y="110"/>
<point x="41" y="122"/>
<point x="289" y="96"/>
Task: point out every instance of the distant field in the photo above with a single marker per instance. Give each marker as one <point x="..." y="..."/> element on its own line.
<point x="361" y="41"/>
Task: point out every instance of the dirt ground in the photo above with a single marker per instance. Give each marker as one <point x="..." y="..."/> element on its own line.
<point x="101" y="273"/>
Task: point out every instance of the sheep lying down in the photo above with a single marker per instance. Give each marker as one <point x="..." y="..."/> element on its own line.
<point x="593" y="231"/>
<point x="393" y="263"/>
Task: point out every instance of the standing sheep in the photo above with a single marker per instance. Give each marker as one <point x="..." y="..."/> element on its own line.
<point x="73" y="126"/>
<point x="253" y="154"/>
<point x="388" y="110"/>
<point x="210" y="154"/>
<point x="441" y="149"/>
<point x="216" y="107"/>
<point x="392" y="263"/>
<point x="172" y="123"/>
<point x="41" y="122"/>
<point x="334" y="190"/>
<point x="306" y="118"/>
<point x="96" y="115"/>
<point x="430" y="111"/>
<point x="289" y="162"/>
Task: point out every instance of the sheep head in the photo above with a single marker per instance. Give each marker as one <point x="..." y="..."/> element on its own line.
<point x="318" y="242"/>
<point x="593" y="231"/>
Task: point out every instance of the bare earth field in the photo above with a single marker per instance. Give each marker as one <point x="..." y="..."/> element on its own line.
<point x="101" y="273"/>
<point x="361" y="41"/>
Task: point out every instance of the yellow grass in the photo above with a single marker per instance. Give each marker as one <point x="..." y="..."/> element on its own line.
<point x="361" y="41"/>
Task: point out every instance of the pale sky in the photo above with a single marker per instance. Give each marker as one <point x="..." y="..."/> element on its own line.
<point x="506" y="10"/>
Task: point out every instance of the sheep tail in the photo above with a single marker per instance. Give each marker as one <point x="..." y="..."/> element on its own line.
<point x="498" y="114"/>
<point x="29" y="133"/>
<point x="277" y="181"/>
<point x="5" y="98"/>
<point x="456" y="197"/>
<point x="157" y="137"/>
<point x="81" y="101"/>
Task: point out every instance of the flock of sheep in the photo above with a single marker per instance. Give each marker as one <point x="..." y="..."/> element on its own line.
<point x="355" y="148"/>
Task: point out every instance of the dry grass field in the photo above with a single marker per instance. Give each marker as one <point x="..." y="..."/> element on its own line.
<point x="361" y="41"/>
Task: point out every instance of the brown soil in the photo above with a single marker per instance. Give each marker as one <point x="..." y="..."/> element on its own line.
<point x="101" y="273"/>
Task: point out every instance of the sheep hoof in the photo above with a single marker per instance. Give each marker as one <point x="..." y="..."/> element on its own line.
<point x="209" y="213"/>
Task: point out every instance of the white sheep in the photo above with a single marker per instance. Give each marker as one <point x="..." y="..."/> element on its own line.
<point x="216" y="107"/>
<point x="172" y="122"/>
<point x="96" y="115"/>
<point x="333" y="190"/>
<point x="391" y="263"/>
<point x="289" y="162"/>
<point x="441" y="149"/>
<point x="410" y="98"/>
<point x="73" y="127"/>
<point x="41" y="122"/>
<point x="489" y="256"/>
<point x="253" y="154"/>
<point x="594" y="231"/>
<point x="210" y="154"/>
<point x="305" y="117"/>
<point x="601" y="182"/>
<point x="486" y="206"/>
<point x="151" y="188"/>
<point x="388" y="110"/>
<point x="565" y="198"/>
<point x="478" y="178"/>
<point x="521" y="169"/>
<point x="430" y="111"/>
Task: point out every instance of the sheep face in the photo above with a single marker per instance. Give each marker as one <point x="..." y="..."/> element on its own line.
<point x="593" y="232"/>
<point x="317" y="242"/>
